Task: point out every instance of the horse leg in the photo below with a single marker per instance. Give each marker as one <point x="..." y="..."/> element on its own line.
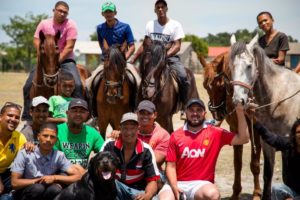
<point x="255" y="165"/>
<point x="237" y="186"/>
<point x="269" y="160"/>
<point x="102" y="123"/>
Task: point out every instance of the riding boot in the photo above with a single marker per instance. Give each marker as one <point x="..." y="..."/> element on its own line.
<point x="183" y="94"/>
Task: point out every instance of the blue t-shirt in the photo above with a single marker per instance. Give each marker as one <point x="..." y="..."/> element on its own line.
<point x="117" y="34"/>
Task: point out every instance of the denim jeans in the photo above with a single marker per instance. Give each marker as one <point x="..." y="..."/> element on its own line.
<point x="5" y="176"/>
<point x="69" y="66"/>
<point x="127" y="193"/>
<point x="282" y="191"/>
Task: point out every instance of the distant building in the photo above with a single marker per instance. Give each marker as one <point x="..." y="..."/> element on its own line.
<point x="293" y="55"/>
<point x="215" y="51"/>
<point x="88" y="54"/>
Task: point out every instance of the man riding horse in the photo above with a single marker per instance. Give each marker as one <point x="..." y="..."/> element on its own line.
<point x="68" y="34"/>
<point x="169" y="32"/>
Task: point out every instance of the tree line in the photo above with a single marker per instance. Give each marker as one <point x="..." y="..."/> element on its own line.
<point x="20" y="54"/>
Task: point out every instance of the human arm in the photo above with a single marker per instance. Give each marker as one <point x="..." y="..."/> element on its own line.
<point x="297" y="68"/>
<point x="172" y="178"/>
<point x="73" y="176"/>
<point x="275" y="140"/>
<point x="137" y="54"/>
<point x="130" y="51"/>
<point x="67" y="50"/>
<point x="150" y="191"/>
<point x="18" y="182"/>
<point x="56" y="120"/>
<point x="280" y="59"/>
<point x="242" y="136"/>
<point x="175" y="48"/>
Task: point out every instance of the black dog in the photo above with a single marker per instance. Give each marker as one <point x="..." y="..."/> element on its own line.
<point x="97" y="183"/>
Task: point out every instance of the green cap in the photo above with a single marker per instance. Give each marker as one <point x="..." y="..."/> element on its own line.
<point x="108" y="6"/>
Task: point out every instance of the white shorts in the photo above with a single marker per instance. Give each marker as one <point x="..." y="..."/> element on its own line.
<point x="189" y="187"/>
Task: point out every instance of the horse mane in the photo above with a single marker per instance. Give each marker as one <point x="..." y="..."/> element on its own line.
<point x="117" y="58"/>
<point x="236" y="49"/>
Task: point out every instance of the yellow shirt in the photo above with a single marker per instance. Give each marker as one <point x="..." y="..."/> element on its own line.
<point x="10" y="150"/>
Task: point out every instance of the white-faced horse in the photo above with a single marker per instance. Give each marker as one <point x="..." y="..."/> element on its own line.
<point x="274" y="88"/>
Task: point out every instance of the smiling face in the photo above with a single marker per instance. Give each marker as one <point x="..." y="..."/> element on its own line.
<point x="146" y="118"/>
<point x="77" y="116"/>
<point x="10" y="119"/>
<point x="195" y="115"/>
<point x="265" y="22"/>
<point x="129" y="132"/>
<point x="39" y="114"/>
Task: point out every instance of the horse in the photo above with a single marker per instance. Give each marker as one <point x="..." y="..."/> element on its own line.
<point x="274" y="88"/>
<point x="115" y="94"/>
<point x="159" y="83"/>
<point x="217" y="84"/>
<point x="46" y="75"/>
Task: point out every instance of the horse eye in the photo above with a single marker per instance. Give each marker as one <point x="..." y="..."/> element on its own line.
<point x="249" y="67"/>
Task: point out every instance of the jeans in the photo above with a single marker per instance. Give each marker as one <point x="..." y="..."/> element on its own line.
<point x="282" y="191"/>
<point x="69" y="66"/>
<point x="37" y="192"/>
<point x="127" y="193"/>
<point x="6" y="181"/>
<point x="175" y="64"/>
<point x="6" y="196"/>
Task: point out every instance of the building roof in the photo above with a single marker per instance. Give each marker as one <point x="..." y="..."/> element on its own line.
<point x="294" y="48"/>
<point x="87" y="47"/>
<point x="215" y="51"/>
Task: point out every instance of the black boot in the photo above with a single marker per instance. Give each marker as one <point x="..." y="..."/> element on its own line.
<point x="183" y="95"/>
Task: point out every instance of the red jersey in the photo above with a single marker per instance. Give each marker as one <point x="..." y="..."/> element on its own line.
<point x="196" y="154"/>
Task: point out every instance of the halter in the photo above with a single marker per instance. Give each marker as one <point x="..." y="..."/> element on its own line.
<point x="111" y="98"/>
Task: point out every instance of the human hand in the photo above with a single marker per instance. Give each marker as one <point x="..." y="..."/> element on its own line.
<point x="47" y="179"/>
<point x="29" y="147"/>
<point x="115" y="134"/>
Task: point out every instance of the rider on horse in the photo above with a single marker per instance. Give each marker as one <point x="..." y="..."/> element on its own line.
<point x="169" y="32"/>
<point x="68" y="33"/>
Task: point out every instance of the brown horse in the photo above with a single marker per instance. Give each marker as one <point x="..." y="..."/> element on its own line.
<point x="46" y="75"/>
<point x="159" y="83"/>
<point x="217" y="84"/>
<point x="115" y="94"/>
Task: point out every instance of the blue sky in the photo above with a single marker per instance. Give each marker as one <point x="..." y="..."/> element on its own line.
<point x="198" y="17"/>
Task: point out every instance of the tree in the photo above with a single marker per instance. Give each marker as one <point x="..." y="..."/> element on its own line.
<point x="21" y="31"/>
<point x="198" y="44"/>
<point x="94" y="37"/>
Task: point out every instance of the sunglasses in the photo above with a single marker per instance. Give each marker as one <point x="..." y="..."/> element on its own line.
<point x="11" y="104"/>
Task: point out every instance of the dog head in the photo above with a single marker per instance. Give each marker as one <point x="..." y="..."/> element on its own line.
<point x="103" y="166"/>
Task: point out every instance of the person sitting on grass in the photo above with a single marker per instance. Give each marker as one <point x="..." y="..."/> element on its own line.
<point x="35" y="174"/>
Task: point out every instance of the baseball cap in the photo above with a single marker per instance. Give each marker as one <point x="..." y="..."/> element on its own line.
<point x="108" y="6"/>
<point x="129" y="117"/>
<point x="78" y="103"/>
<point x="161" y="1"/>
<point x="195" y="101"/>
<point x="39" y="100"/>
<point x="146" y="105"/>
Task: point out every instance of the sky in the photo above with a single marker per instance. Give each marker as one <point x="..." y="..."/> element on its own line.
<point x="198" y="17"/>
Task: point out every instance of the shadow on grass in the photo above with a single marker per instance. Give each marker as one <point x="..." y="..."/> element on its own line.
<point x="243" y="196"/>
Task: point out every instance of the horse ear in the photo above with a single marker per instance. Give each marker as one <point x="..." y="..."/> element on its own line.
<point x="232" y="39"/>
<point x="147" y="42"/>
<point x="41" y="36"/>
<point x="220" y="66"/>
<point x="124" y="46"/>
<point x="252" y="42"/>
<point x="57" y="36"/>
<point x="105" y="45"/>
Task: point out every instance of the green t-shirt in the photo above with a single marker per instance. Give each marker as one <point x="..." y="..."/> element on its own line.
<point x="58" y="105"/>
<point x="78" y="147"/>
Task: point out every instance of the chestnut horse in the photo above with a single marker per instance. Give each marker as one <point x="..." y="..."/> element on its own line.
<point x="217" y="84"/>
<point x="158" y="83"/>
<point x="46" y="75"/>
<point x="115" y="94"/>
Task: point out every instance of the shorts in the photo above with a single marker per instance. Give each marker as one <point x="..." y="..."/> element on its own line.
<point x="189" y="187"/>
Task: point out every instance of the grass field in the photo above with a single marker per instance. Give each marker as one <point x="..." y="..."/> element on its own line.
<point x="11" y="85"/>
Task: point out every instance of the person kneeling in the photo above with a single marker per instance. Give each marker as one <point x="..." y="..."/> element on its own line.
<point x="34" y="174"/>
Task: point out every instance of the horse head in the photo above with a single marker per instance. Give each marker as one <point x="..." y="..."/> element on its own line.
<point x="217" y="84"/>
<point x="153" y="63"/>
<point x="243" y="63"/>
<point x="114" y="70"/>
<point x="48" y="58"/>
